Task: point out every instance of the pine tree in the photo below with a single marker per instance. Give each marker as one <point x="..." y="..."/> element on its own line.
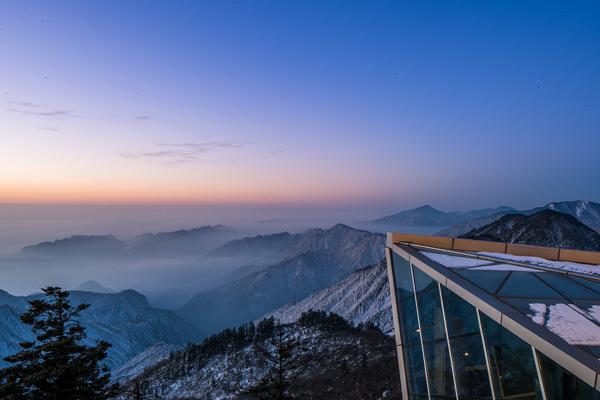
<point x="281" y="356"/>
<point x="56" y="365"/>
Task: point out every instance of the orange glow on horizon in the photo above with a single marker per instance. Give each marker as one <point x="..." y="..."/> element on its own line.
<point x="140" y="194"/>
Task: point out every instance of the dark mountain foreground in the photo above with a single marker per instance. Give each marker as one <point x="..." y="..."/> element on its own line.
<point x="321" y="356"/>
<point x="545" y="228"/>
<point x="587" y="212"/>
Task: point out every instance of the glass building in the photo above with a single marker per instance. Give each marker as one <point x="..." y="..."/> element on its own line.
<point x="483" y="320"/>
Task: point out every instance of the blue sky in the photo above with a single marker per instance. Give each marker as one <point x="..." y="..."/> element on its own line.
<point x="373" y="104"/>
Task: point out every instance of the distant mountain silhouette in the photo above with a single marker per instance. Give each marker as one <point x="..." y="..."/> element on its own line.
<point x="182" y="242"/>
<point x="179" y="243"/>
<point x="258" y="249"/>
<point x="93" y="287"/>
<point x="429" y="216"/>
<point x="545" y="228"/>
<point x="78" y="245"/>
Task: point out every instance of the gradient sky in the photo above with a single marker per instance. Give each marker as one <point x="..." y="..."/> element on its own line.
<point x="376" y="104"/>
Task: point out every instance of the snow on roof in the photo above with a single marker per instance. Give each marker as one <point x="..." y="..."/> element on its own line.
<point x="506" y="267"/>
<point x="568" y="322"/>
<point x="455" y="261"/>
<point x="592" y="270"/>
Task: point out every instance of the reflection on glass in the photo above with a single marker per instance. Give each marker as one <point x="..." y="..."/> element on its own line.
<point x="472" y="378"/>
<point x="562" y="385"/>
<point x="487" y="280"/>
<point x="409" y="328"/>
<point x="520" y="282"/>
<point x="513" y="366"/>
<point x="567" y="287"/>
<point x="437" y="357"/>
<point x="405" y="297"/>
<point x="591" y="284"/>
<point x="417" y="383"/>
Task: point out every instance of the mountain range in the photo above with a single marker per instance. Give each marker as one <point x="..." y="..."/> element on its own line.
<point x="428" y="216"/>
<point x="124" y="319"/>
<point x="461" y="223"/>
<point x="181" y="242"/>
<point x="284" y="277"/>
<point x="544" y="228"/>
<point x="78" y="245"/>
<point x="363" y="297"/>
<point x="310" y="261"/>
<point x="587" y="212"/>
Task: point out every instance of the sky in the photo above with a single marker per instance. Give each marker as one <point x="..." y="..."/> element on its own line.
<point x="375" y="105"/>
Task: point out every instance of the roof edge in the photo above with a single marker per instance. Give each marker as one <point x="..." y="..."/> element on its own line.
<point x="458" y="244"/>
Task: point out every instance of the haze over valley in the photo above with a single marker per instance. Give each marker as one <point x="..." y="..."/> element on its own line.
<point x="195" y="198"/>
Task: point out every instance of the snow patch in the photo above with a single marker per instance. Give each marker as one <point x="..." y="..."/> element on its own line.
<point x="592" y="270"/>
<point x="567" y="322"/>
<point x="506" y="267"/>
<point x="454" y="261"/>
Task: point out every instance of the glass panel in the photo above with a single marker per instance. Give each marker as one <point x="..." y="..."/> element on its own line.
<point x="437" y="357"/>
<point x="455" y="261"/>
<point x="562" y="385"/>
<point x="524" y="305"/>
<point x="407" y="313"/>
<point x="525" y="284"/>
<point x="594" y="285"/>
<point x="568" y="287"/>
<point x="467" y="348"/>
<point x="513" y="366"/>
<point x="417" y="384"/>
<point x="487" y="280"/>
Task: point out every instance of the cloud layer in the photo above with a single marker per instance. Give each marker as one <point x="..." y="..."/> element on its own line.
<point x="181" y="153"/>
<point x="28" y="108"/>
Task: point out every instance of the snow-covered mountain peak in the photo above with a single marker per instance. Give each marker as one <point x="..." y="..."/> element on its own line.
<point x="362" y="297"/>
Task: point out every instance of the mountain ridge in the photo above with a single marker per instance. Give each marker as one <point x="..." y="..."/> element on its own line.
<point x="312" y="261"/>
<point x="124" y="319"/>
<point x="363" y="297"/>
<point x="428" y="216"/>
<point x="195" y="240"/>
<point x="587" y="212"/>
<point x="545" y="228"/>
